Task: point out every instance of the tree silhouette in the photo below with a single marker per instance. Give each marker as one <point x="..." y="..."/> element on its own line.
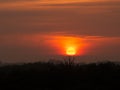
<point x="60" y="76"/>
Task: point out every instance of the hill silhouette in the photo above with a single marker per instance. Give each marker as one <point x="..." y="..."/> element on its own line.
<point x="60" y="76"/>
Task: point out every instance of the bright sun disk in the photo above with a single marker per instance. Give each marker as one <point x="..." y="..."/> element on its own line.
<point x="71" y="51"/>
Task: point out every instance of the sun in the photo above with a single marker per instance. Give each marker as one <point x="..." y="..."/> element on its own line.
<point x="71" y="51"/>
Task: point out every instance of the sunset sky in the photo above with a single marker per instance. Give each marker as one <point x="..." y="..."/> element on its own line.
<point x="31" y="29"/>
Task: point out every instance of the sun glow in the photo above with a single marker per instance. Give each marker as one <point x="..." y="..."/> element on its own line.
<point x="68" y="45"/>
<point x="71" y="51"/>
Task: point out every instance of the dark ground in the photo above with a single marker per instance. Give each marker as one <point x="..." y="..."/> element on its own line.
<point x="62" y="76"/>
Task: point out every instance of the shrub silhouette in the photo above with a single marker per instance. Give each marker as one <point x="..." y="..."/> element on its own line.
<point x="60" y="76"/>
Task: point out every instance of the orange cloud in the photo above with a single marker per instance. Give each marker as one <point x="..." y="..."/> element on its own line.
<point x="27" y="4"/>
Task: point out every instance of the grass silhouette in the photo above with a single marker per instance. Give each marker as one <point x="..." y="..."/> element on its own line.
<point x="60" y="76"/>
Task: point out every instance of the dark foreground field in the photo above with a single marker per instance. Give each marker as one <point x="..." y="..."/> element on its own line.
<point x="49" y="76"/>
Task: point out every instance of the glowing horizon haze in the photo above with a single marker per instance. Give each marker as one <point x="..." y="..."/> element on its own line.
<point x="35" y="28"/>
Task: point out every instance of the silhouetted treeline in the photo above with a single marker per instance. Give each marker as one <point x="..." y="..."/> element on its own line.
<point x="60" y="76"/>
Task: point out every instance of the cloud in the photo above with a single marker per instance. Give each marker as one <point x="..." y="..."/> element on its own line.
<point x="8" y="1"/>
<point x="91" y="19"/>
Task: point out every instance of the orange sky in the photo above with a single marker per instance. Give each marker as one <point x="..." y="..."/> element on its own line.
<point x="34" y="4"/>
<point x="49" y="27"/>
